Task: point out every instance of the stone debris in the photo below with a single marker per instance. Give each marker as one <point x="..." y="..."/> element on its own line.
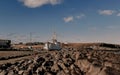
<point x="78" y="62"/>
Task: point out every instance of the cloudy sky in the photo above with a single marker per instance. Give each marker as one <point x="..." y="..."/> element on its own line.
<point x="72" y="20"/>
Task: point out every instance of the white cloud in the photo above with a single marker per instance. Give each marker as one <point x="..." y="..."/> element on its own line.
<point x="118" y="14"/>
<point x="80" y="16"/>
<point x="39" y="3"/>
<point x="68" y="19"/>
<point x="73" y="17"/>
<point x="106" y="12"/>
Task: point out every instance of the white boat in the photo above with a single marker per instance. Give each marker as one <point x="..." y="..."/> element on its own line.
<point x="54" y="45"/>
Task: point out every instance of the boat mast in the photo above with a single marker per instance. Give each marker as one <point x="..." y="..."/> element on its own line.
<point x="54" y="37"/>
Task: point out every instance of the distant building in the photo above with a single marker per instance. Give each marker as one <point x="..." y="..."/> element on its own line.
<point x="54" y="45"/>
<point x="5" y="43"/>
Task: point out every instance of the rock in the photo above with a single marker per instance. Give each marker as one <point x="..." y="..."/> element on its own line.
<point x="48" y="63"/>
<point x="4" y="72"/>
<point x="48" y="73"/>
<point x="102" y="72"/>
<point x="3" y="67"/>
<point x="83" y="64"/>
<point x="65" y="69"/>
<point x="112" y="71"/>
<point x="26" y="73"/>
<point x="93" y="70"/>
<point x="40" y="71"/>
<point x="61" y="73"/>
<point x="20" y="72"/>
<point x="68" y="61"/>
<point x="30" y="67"/>
<point x="11" y="72"/>
<point x="75" y="70"/>
<point x="107" y="63"/>
<point x="55" y="68"/>
<point x="16" y="68"/>
<point x="30" y="61"/>
<point x="77" y="55"/>
<point x="39" y="60"/>
<point x="66" y="56"/>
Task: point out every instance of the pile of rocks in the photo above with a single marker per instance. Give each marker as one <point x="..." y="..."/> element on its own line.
<point x="74" y="62"/>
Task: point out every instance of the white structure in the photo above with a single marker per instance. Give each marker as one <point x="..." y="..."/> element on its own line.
<point x="54" y="45"/>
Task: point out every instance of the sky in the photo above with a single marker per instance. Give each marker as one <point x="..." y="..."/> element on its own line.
<point x="72" y="20"/>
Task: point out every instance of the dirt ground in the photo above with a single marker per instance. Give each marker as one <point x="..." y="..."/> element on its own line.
<point x="64" y="62"/>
